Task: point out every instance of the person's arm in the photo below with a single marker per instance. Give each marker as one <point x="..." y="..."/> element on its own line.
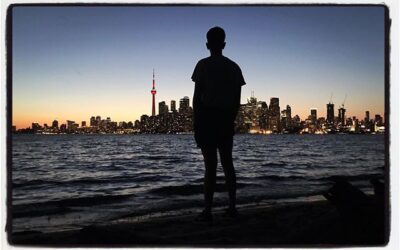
<point x="196" y="97"/>
<point x="235" y="110"/>
<point x="196" y="78"/>
<point x="239" y="83"/>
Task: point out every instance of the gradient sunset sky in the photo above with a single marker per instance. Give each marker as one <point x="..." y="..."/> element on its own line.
<point x="76" y="62"/>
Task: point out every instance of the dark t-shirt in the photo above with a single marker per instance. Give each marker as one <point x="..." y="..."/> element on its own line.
<point x="218" y="81"/>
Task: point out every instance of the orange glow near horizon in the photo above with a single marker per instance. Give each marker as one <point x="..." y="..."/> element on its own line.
<point x="24" y="116"/>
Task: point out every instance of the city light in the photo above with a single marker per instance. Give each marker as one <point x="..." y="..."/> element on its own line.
<point x="254" y="117"/>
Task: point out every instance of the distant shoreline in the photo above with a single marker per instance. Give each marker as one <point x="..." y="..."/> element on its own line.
<point x="193" y="134"/>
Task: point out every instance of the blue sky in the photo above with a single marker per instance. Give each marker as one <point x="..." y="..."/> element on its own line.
<point x="75" y="62"/>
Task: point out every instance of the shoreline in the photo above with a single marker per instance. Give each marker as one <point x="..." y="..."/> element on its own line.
<point x="192" y="133"/>
<point x="144" y="215"/>
<point x="316" y="223"/>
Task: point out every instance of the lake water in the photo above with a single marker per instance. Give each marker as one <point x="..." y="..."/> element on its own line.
<point x="63" y="182"/>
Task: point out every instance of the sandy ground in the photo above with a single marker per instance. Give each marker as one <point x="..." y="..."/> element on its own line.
<point x="316" y="223"/>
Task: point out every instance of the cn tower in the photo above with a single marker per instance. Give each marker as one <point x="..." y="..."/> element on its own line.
<point x="153" y="92"/>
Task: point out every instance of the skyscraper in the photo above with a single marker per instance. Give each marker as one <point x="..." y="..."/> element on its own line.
<point x="274" y="114"/>
<point x="366" y="119"/>
<point x="36" y="127"/>
<point x="288" y="112"/>
<point x="284" y="122"/>
<point x="330" y="113"/>
<point x="93" y="121"/>
<point x="274" y="104"/>
<point x="153" y="93"/>
<point x="63" y="128"/>
<point x="173" y="105"/>
<point x="342" y="118"/>
<point x="70" y="124"/>
<point x="314" y="116"/>
<point x="55" y="124"/>
<point x="378" y="120"/>
<point x="184" y="104"/>
<point x="162" y="108"/>
<point x="98" y="120"/>
<point x="288" y="121"/>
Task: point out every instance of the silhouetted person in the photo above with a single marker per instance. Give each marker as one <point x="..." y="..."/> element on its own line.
<point x="218" y="81"/>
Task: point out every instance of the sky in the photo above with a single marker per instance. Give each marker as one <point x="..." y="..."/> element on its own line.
<point x="71" y="63"/>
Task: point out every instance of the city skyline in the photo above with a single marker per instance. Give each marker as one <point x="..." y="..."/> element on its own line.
<point x="282" y="115"/>
<point x="81" y="60"/>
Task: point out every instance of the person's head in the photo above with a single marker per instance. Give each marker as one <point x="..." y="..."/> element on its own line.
<point x="216" y="39"/>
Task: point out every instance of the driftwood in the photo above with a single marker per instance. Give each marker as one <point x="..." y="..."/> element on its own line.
<point x="347" y="198"/>
<point x="360" y="214"/>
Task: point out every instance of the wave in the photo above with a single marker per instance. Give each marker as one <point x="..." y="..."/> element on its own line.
<point x="30" y="211"/>
<point x="280" y="177"/>
<point x="73" y="202"/>
<point x="252" y="159"/>
<point x="311" y="178"/>
<point x="85" y="181"/>
<point x="161" y="157"/>
<point x="304" y="154"/>
<point x="70" y="182"/>
<point x="274" y="164"/>
<point x="219" y="178"/>
<point x="140" y="178"/>
<point x="186" y="190"/>
<point x="360" y="177"/>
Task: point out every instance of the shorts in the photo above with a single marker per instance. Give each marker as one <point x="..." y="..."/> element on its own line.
<point x="213" y="127"/>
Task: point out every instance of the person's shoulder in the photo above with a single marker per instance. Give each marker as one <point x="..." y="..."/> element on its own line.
<point x="232" y="63"/>
<point x="201" y="63"/>
<point x="204" y="60"/>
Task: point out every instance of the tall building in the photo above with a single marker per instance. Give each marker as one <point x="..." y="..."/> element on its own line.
<point x="261" y="112"/>
<point x="98" y="120"/>
<point x="287" y="118"/>
<point x="330" y="113"/>
<point x="153" y="93"/>
<point x="378" y="120"/>
<point x="274" y="114"/>
<point x="252" y="116"/>
<point x="144" y="118"/>
<point x="63" y="128"/>
<point x="184" y="104"/>
<point x="314" y="116"/>
<point x="366" y="119"/>
<point x="93" y="121"/>
<point x="36" y="127"/>
<point x="288" y="112"/>
<point x="342" y="118"/>
<point x="55" y="124"/>
<point x="162" y="108"/>
<point x="284" y="121"/>
<point x="296" y="120"/>
<point x="70" y="124"/>
<point x="83" y="124"/>
<point x="274" y="104"/>
<point x="173" y="105"/>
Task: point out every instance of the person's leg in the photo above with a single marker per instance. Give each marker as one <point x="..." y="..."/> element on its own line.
<point x="225" y="152"/>
<point x="210" y="161"/>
